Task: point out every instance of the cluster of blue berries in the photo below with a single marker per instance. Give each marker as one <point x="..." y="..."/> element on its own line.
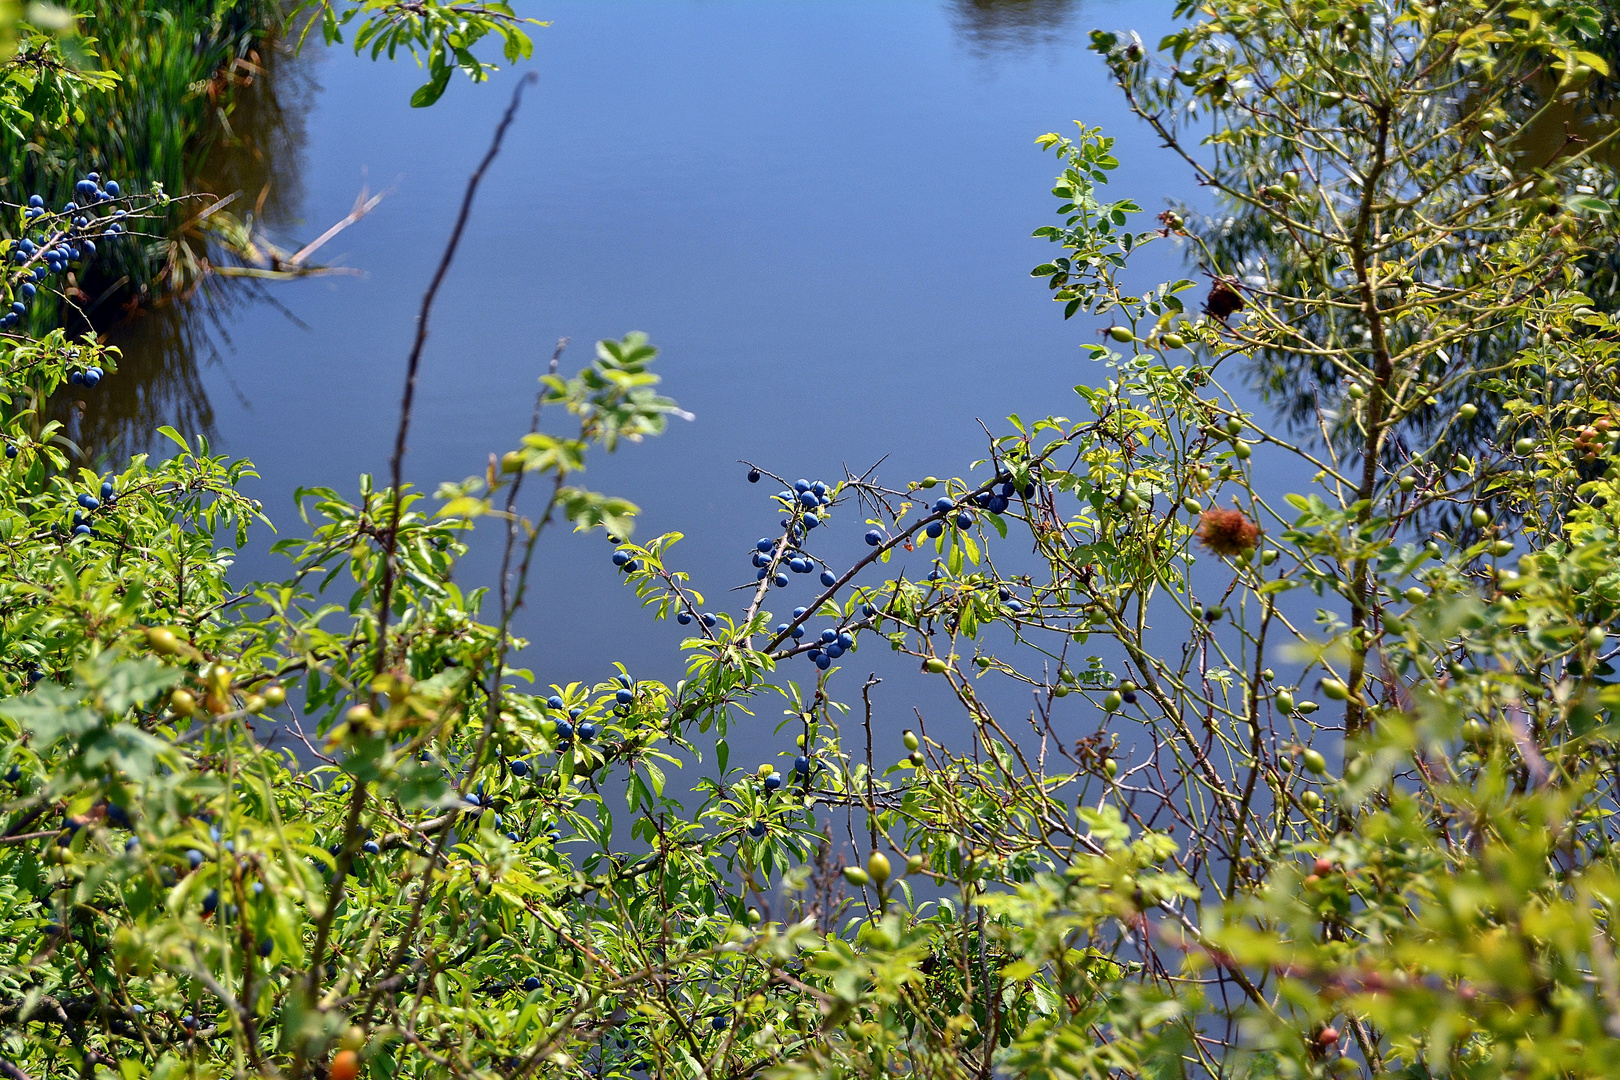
<point x="623" y="559"/>
<point x="809" y="496"/>
<point x="833" y="644"/>
<point x="803" y="505"/>
<point x="707" y="618"/>
<point x="996" y="500"/>
<point x="89" y="504"/>
<point x="829" y="645"/>
<point x="586" y="730"/>
<point x="72" y="241"/>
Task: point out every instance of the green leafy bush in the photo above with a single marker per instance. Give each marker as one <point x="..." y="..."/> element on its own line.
<point x="1174" y="862"/>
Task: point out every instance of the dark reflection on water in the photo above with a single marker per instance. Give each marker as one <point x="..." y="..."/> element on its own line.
<point x="1001" y="25"/>
<point x="166" y="340"/>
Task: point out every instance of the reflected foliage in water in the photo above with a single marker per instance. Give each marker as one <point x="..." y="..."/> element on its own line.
<point x="1546" y="128"/>
<point x="990" y="26"/>
<point x="254" y="159"/>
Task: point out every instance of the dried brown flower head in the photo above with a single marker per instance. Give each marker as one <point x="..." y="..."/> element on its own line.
<point x="1227" y="532"/>
<point x="1223" y="300"/>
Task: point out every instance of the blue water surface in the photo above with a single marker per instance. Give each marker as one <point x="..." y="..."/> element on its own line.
<point x="820" y="212"/>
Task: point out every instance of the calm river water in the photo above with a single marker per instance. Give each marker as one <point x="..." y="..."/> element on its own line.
<point x="821" y="212"/>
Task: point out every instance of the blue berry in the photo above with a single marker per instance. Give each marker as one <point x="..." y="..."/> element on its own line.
<point x="111" y="187"/>
<point x="14" y="773"/>
<point x="829" y="635"/>
<point x="27" y="290"/>
<point x="798" y="632"/>
<point x="753" y="476"/>
<point x="868" y="610"/>
<point x="575" y="713"/>
<point x="811" y="521"/>
<point x="512" y="836"/>
<point x="756" y="830"/>
<point x="801" y="486"/>
<point x="266" y="947"/>
<point x="823" y="661"/>
<point x="92" y="376"/>
<point x="828" y="578"/>
<point x="936" y="528"/>
<point x="808" y="500"/>
<point x="632" y="566"/>
<point x="19" y="308"/>
<point x="801" y="765"/>
<point x="764" y="545"/>
<point x="554" y="702"/>
<point x="846" y="639"/>
<point x="798" y="612"/>
<point x="942" y="505"/>
<point x="819" y="488"/>
<point x="107" y="489"/>
<point x="813" y="654"/>
<point x="624" y="681"/>
<point x="89" y="501"/>
<point x="371" y="847"/>
<point x="773" y="781"/>
<point x="762" y="572"/>
<point x="565" y="730"/>
<point x="520" y="768"/>
<point x="708" y="619"/>
<point x="781" y="628"/>
<point x="81" y="530"/>
<point x="834" y="651"/>
<point x="684" y="618"/>
<point x="531" y="984"/>
<point x="195" y="858"/>
<point x="964" y="520"/>
<point x="35" y="201"/>
<point x="781" y="581"/>
<point x="933" y="575"/>
<point x="587" y="732"/>
<point x="624" y="697"/>
<point x="874" y="537"/>
<point x="620" y="558"/>
<point x="760" y="560"/>
<point x="998" y="505"/>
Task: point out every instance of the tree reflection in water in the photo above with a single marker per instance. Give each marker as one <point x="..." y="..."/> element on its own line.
<point x="166" y="336"/>
<point x="989" y="26"/>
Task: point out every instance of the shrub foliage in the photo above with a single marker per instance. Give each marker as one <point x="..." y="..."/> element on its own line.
<point x="1316" y="772"/>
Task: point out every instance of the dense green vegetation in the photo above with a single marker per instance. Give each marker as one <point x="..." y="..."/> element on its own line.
<point x="1341" y="806"/>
